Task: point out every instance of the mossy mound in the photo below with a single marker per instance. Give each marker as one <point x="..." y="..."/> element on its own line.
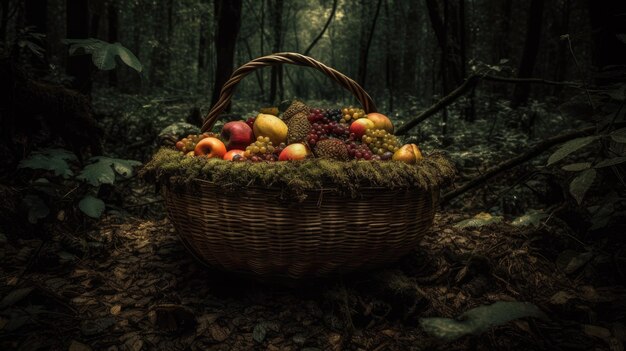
<point x="298" y="177"/>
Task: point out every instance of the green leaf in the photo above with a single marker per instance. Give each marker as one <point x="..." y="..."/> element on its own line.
<point x="479" y="319"/>
<point x="37" y="209"/>
<point x="480" y="220"/>
<point x="570" y="147"/>
<point x="579" y="186"/>
<point x="103" y="54"/>
<point x="91" y="206"/>
<point x="619" y="136"/>
<point x="102" y="170"/>
<point x="50" y="160"/>
<point x="577" y="167"/>
<point x="121" y="166"/>
<point x="610" y="162"/>
<point x="97" y="173"/>
<point x="532" y="217"/>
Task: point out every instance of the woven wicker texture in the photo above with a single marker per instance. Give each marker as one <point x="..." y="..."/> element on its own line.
<point x="254" y="231"/>
<point x="277" y="59"/>
<point x="257" y="232"/>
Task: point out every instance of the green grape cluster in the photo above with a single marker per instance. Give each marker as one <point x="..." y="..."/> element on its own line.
<point x="380" y="141"/>
<point x="188" y="143"/>
<point x="350" y="114"/>
<point x="261" y="149"/>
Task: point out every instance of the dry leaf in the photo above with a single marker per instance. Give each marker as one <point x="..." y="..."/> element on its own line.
<point x="115" y="310"/>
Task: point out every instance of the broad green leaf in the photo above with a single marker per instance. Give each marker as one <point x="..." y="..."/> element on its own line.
<point x="480" y="220"/>
<point x="479" y="319"/>
<point x="121" y="166"/>
<point x="610" y="162"/>
<point x="91" y="206"/>
<point x="101" y="171"/>
<point x="50" y="160"/>
<point x="570" y="147"/>
<point x="579" y="186"/>
<point x="619" y="136"/>
<point x="577" y="167"/>
<point x="103" y="54"/>
<point x="37" y="209"/>
<point x="97" y="173"/>
<point x="532" y="217"/>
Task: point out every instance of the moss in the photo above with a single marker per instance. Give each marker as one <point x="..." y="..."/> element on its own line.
<point x="298" y="177"/>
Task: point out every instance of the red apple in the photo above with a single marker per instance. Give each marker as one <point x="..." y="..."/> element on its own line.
<point x="381" y="121"/>
<point x="293" y="152"/>
<point x="360" y="126"/>
<point x="230" y="154"/>
<point x="237" y="134"/>
<point x="408" y="153"/>
<point x="210" y="147"/>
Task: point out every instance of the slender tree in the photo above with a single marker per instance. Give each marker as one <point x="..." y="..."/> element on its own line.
<point x="319" y="36"/>
<point x="79" y="67"/>
<point x="529" y="55"/>
<point x="608" y="22"/>
<point x="228" y="14"/>
<point x="277" y="70"/>
<point x="367" y="34"/>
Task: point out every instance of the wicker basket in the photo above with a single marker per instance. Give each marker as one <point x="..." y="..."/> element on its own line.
<point x="256" y="231"/>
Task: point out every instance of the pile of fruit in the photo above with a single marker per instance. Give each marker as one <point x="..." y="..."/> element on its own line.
<point x="302" y="132"/>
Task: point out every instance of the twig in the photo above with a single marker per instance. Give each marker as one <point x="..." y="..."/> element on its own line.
<point x="580" y="71"/>
<point x="510" y="163"/>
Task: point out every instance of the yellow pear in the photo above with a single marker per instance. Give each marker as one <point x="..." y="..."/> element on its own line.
<point x="408" y="153"/>
<point x="271" y="127"/>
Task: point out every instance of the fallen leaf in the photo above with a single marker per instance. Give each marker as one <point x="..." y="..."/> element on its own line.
<point x="96" y="326"/>
<point x="78" y="346"/>
<point x="218" y="333"/>
<point x="14" y="297"/>
<point x="479" y="319"/>
<point x="596" y="331"/>
<point x="115" y="310"/>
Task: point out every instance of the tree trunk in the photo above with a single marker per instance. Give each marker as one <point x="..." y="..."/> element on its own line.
<point x="228" y="14"/>
<point x="446" y="32"/>
<point x="35" y="15"/>
<point x="410" y="47"/>
<point x="563" y="46"/>
<point x="79" y="67"/>
<point x="367" y="34"/>
<point x="608" y="20"/>
<point x="529" y="55"/>
<point x="160" y="63"/>
<point x="277" y="74"/>
<point x="4" y="20"/>
<point x="113" y="22"/>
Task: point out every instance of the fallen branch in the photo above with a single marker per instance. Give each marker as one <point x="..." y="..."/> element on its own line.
<point x="470" y="82"/>
<point x="450" y="98"/>
<point x="510" y="163"/>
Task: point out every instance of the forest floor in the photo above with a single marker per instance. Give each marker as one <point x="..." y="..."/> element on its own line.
<point x="127" y="283"/>
<point x="136" y="288"/>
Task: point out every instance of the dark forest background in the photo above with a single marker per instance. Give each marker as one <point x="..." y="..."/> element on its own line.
<point x="525" y="97"/>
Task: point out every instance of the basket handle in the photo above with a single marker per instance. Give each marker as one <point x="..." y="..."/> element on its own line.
<point x="283" y="58"/>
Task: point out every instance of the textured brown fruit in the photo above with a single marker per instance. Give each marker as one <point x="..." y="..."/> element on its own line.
<point x="295" y="108"/>
<point x="332" y="148"/>
<point x="298" y="128"/>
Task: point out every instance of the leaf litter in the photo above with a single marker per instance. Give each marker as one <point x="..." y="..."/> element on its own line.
<point x="142" y="291"/>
